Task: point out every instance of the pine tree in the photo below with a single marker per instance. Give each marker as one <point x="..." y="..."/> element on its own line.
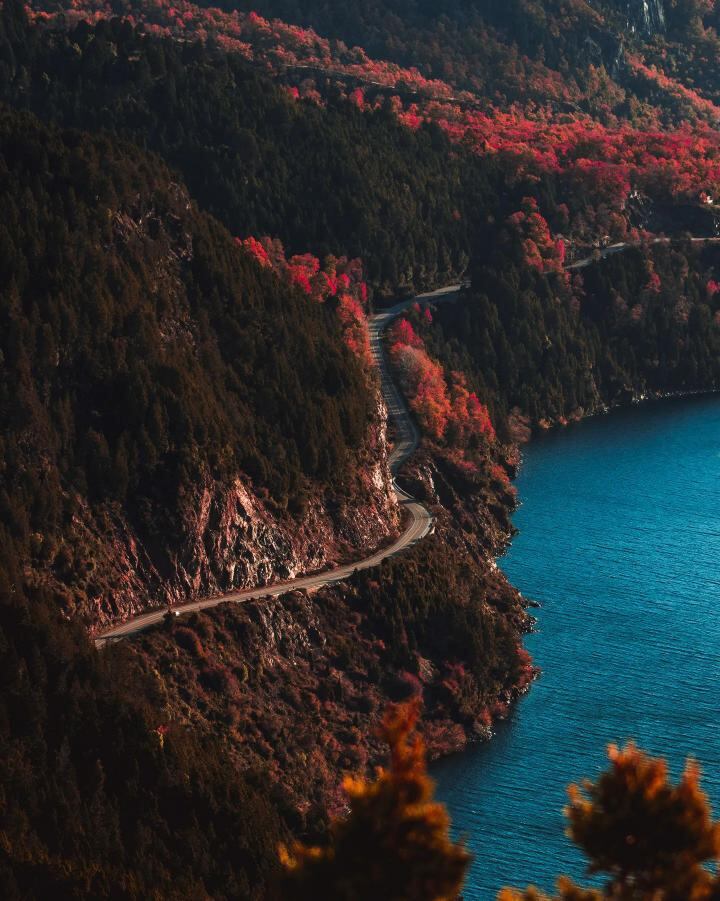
<point x="394" y="844"/>
<point x="652" y="838"/>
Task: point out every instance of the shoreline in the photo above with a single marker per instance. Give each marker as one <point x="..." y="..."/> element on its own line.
<point x="598" y="587"/>
<point x="530" y="603"/>
<point x="636" y="400"/>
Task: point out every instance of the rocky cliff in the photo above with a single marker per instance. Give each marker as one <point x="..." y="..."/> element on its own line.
<point x="296" y="685"/>
<point x="177" y="420"/>
<point x="228" y="535"/>
<point x="646" y="16"/>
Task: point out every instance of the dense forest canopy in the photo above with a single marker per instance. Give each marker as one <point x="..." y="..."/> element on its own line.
<point x="190" y="198"/>
<point x="628" y="59"/>
<point x="552" y="346"/>
<point x="99" y="798"/>
<point x="143" y="350"/>
<point x="253" y="156"/>
<point x="423" y="161"/>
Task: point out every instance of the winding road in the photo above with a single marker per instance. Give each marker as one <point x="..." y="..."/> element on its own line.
<point x="621" y="246"/>
<point x="419" y="518"/>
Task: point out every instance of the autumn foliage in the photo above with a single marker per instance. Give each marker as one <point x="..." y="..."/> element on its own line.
<point x="339" y="279"/>
<point x="602" y="144"/>
<point x="604" y="156"/>
<point x="651" y="838"/>
<point x="394" y="844"/>
<point x="447" y="410"/>
<point x="531" y="231"/>
<point x="269" y="42"/>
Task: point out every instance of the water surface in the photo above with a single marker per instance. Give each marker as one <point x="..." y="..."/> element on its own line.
<point x="619" y="541"/>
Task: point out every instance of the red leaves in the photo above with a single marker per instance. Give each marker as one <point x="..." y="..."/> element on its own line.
<point x="530" y="229"/>
<point x="355" y="329"/>
<point x="468" y="416"/>
<point x="673" y="87"/>
<point x="423" y="381"/>
<point x="256" y="249"/>
<point x="357" y="98"/>
<point x="272" y="43"/>
<point x="305" y="271"/>
<point x="341" y="278"/>
<point x="500" y="474"/>
<point x="453" y="413"/>
<point x="302" y="270"/>
<point x="601" y="164"/>
<point x="526" y="669"/>
<point x="403" y="333"/>
<point x="653" y="283"/>
<point x="411" y="119"/>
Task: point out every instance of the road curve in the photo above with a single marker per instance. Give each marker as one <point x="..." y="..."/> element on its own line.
<point x="420" y="520"/>
<point x="407" y="438"/>
<point x="622" y="246"/>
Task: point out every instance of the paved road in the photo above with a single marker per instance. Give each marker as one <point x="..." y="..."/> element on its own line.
<point x="624" y="245"/>
<point x="419" y="519"/>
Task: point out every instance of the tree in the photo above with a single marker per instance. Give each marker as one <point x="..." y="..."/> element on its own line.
<point x="651" y="837"/>
<point x="394" y="844"/>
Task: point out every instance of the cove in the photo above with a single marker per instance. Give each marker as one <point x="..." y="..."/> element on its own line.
<point x="619" y="542"/>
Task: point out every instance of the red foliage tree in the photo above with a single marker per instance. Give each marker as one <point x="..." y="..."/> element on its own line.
<point x="339" y="277"/>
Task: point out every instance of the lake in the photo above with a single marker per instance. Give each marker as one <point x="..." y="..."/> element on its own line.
<point x="619" y="542"/>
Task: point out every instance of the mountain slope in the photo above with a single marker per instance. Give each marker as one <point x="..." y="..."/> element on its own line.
<point x="323" y="178"/>
<point x="409" y="167"/>
<point x="99" y="798"/>
<point x="569" y="53"/>
<point x="177" y="420"/>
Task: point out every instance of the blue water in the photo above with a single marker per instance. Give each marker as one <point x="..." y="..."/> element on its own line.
<point x="620" y="542"/>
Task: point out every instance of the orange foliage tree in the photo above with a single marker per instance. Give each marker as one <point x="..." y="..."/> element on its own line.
<point x="453" y="413"/>
<point x="539" y="249"/>
<point x="652" y="838"/>
<point x="423" y="382"/>
<point x="394" y="844"/>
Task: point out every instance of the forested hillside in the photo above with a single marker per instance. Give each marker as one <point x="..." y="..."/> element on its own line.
<point x="200" y="208"/>
<point x="629" y="59"/>
<point x="409" y="167"/>
<point x="146" y="361"/>
<point x="146" y="353"/>
<point x="98" y="800"/>
<point x="328" y="180"/>
<point x="158" y="387"/>
<point x="554" y="347"/>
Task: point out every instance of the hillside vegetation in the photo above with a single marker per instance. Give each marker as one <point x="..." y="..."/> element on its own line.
<point x="98" y="800"/>
<point x="201" y="207"/>
<point x="551" y="347"/>
<point x="145" y="354"/>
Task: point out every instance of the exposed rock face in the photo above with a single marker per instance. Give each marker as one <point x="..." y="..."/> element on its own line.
<point x="604" y="47"/>
<point x="213" y="529"/>
<point x="646" y="16"/>
<point x="227" y="536"/>
<point x="296" y="685"/>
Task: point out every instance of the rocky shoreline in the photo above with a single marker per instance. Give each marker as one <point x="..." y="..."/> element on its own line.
<point x="522" y="430"/>
<point x="295" y="687"/>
